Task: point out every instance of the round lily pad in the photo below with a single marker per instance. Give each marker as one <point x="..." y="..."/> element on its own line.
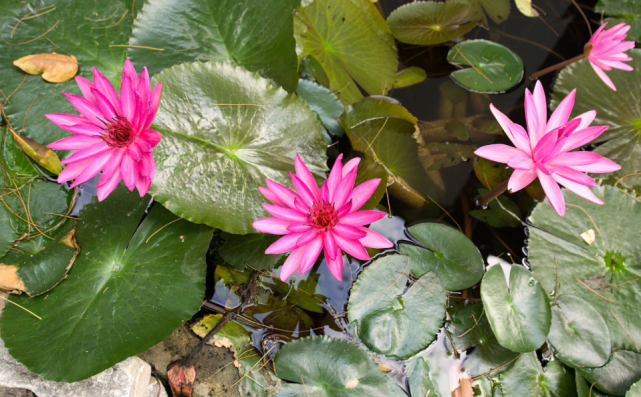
<point x="451" y="255"/>
<point x="429" y="23"/>
<point x="224" y="131"/>
<point x="619" y="110"/>
<point x="390" y="319"/>
<point x="527" y="378"/>
<point x="494" y="68"/>
<point x="249" y="248"/>
<point x="519" y="312"/>
<point x="618" y="375"/>
<point x="322" y="366"/>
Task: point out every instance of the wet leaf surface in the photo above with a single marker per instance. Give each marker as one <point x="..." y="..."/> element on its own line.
<point x="322" y="101"/>
<point x="527" y="378"/>
<point x="410" y="76"/>
<point x="427" y="376"/>
<point x="618" y="375"/>
<point x="249" y="248"/>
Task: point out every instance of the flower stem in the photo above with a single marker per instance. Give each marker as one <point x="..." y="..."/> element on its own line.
<point x="494" y="193"/>
<point x="552" y="68"/>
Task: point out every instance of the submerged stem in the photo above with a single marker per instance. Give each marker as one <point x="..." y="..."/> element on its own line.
<point x="494" y="193"/>
<point x="552" y="68"/>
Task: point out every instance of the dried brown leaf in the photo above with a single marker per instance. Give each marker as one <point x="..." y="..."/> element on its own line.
<point x="55" y="68"/>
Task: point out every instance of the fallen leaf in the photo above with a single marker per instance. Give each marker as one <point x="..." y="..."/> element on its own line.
<point x="351" y="384"/>
<point x="55" y="68"/>
<point x="39" y="152"/>
<point x="9" y="279"/>
<point x="525" y="6"/>
<point x="588" y="236"/>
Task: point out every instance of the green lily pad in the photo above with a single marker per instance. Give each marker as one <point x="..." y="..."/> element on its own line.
<point x="584" y="389"/>
<point x="429" y="23"/>
<point x="494" y="68"/>
<point x="7" y="234"/>
<point x="228" y="129"/>
<point x="469" y="328"/>
<point x="454" y="258"/>
<point x="606" y="273"/>
<point x="322" y="101"/>
<point x="131" y="286"/>
<point x="618" y="11"/>
<point x="497" y="10"/>
<point x="449" y="154"/>
<point x="489" y="173"/>
<point x="527" y="378"/>
<point x="635" y="391"/>
<point x="579" y="334"/>
<point x="497" y="214"/>
<point x="352" y="42"/>
<point x="519" y="313"/>
<point x="83" y="29"/>
<point x="240" y="32"/>
<point x="368" y="169"/>
<point x="620" y="110"/>
<point x="390" y="320"/>
<point x="42" y="262"/>
<point x="249" y="248"/>
<point x="410" y="76"/>
<point x="618" y="375"/>
<point x="427" y="377"/>
<point x="322" y="366"/>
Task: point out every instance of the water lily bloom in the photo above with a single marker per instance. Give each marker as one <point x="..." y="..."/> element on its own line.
<point x="326" y="219"/>
<point x="544" y="151"/>
<point x="605" y="50"/>
<point x="112" y="134"/>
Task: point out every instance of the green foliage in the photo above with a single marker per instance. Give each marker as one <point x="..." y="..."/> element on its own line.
<point x="527" y="378"/>
<point x="626" y="11"/>
<point x="519" y="312"/>
<point x="502" y="212"/>
<point x="228" y="130"/>
<point x="129" y="289"/>
<point x="410" y="76"/>
<point x="494" y="68"/>
<point x="322" y="101"/>
<point x="497" y="10"/>
<point x="352" y="42"/>
<point x="618" y="375"/>
<point x="427" y="376"/>
<point x="249" y="248"/>
<point x="391" y="320"/>
<point x="368" y="169"/>
<point x="242" y="33"/>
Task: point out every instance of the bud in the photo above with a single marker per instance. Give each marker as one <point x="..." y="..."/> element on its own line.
<point x="181" y="376"/>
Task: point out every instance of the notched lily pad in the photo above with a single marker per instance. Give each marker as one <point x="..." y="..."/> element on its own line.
<point x="527" y="378"/>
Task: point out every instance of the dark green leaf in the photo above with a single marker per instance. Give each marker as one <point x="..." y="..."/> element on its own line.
<point x="497" y="10"/>
<point x="427" y="377"/>
<point x="489" y="173"/>
<point x="617" y="11"/>
<point x="352" y="42"/>
<point x="7" y="234"/>
<point x="368" y="169"/>
<point x="390" y="320"/>
<point x="240" y="32"/>
<point x="130" y="288"/>
<point x="249" y="248"/>
<point x="410" y="76"/>
<point x="527" y="378"/>
<point x="228" y="129"/>
<point x="618" y="375"/>
<point x="457" y="129"/>
<point x="449" y="154"/>
<point x="322" y="101"/>
<point x="497" y="215"/>
<point x="454" y="258"/>
<point x="519" y="313"/>
<point x="494" y="68"/>
<point x="428" y="23"/>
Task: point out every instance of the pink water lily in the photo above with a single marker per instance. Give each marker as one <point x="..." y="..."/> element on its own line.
<point x="544" y="151"/>
<point x="112" y="136"/>
<point x="606" y="52"/>
<point x="326" y="219"/>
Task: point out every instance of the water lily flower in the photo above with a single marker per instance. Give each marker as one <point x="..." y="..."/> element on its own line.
<point x="544" y="151"/>
<point x="112" y="134"/>
<point x="605" y="50"/>
<point x="326" y="219"/>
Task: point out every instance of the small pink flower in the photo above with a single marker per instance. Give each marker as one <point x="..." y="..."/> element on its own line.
<point x="607" y="51"/>
<point x="113" y="134"/>
<point x="321" y="219"/>
<point x="544" y="151"/>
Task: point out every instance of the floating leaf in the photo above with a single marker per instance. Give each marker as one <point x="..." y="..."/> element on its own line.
<point x="54" y="68"/>
<point x="42" y="154"/>
<point x="391" y="320"/>
<point x="228" y="129"/>
<point x="7" y="234"/>
<point x="368" y="169"/>
<point x="494" y="68"/>
<point x="579" y="334"/>
<point x="519" y="312"/>
<point x="352" y="42"/>
<point x="322" y="101"/>
<point x="497" y="10"/>
<point x="526" y="8"/>
<point x="249" y="248"/>
<point x="618" y="375"/>
<point x="502" y="212"/>
<point x="427" y="377"/>
<point x="628" y="12"/>
<point x="429" y="23"/>
<point x="527" y="378"/>
<point x="322" y="366"/>
<point x="131" y="286"/>
<point x="410" y="76"/>
<point x="489" y="173"/>
<point x="635" y="391"/>
<point x="448" y="154"/>
<point x="620" y="110"/>
<point x="40" y="263"/>
<point x="244" y="33"/>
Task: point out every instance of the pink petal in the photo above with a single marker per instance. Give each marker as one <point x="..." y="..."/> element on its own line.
<point x="553" y="192"/>
<point x="361" y="218"/>
<point x="104" y="86"/>
<point x="586" y="119"/>
<point x="330" y="242"/>
<point x="86" y="86"/>
<point x="154" y="101"/>
<point x="105" y="187"/>
<point x="127" y="99"/>
<point x="284" y="244"/>
<point x="74" y="143"/>
<point x="311" y="254"/>
<point x="299" y="228"/>
<point x="272" y="226"/>
<point x="300" y="206"/>
<point x="292" y="263"/>
<point x="64" y="120"/>
<point x="113" y="165"/>
<point x="521" y="163"/>
<point x="603" y="165"/>
<point x="269" y="195"/>
<point x="520" y="179"/>
<point x="286" y="214"/>
<point x="541" y="107"/>
<point x="147" y="165"/>
<point x="87" y="109"/>
<point x="574" y="159"/>
<point x="142" y="184"/>
<point x="129" y="172"/>
<point x="374" y="240"/>
<point x="303" y="192"/>
<point x="579" y="190"/>
<point x="532" y="119"/>
<point x="350" y="232"/>
<point x="498" y="152"/>
<point x="107" y="110"/>
<point x="344" y="189"/>
<point x="306" y="237"/>
<point x="335" y="266"/>
<point x="352" y="247"/>
<point x="347" y="208"/>
<point x="284" y="194"/>
<point x="545" y="145"/>
<point x="306" y="176"/>
<point x="152" y="137"/>
<point x="503" y="120"/>
<point x="520" y="139"/>
<point x="583" y="137"/>
<point x="350" y="165"/>
<point x="603" y="76"/>
<point x="574" y="176"/>
<point x="335" y="177"/>
<point x="324" y="192"/>
<point x="73" y="170"/>
<point x="93" y="168"/>
<point x="129" y="71"/>
<point x="144" y="90"/>
<point x="86" y="130"/>
<point x="362" y="193"/>
<point x="87" y="153"/>
<point x="562" y="112"/>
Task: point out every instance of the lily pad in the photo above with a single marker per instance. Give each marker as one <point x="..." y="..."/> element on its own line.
<point x="429" y="23"/>
<point x="497" y="10"/>
<point x="427" y="377"/>
<point x="527" y="378"/>
<point x="618" y="375"/>
<point x="249" y="248"/>
<point x="410" y="76"/>
<point x="83" y="29"/>
<point x="451" y="255"/>
<point x="617" y="11"/>
<point x="579" y="334"/>
<point x="620" y="110"/>
<point x="42" y="262"/>
<point x="391" y="320"/>
<point x="128" y="276"/>
<point x="352" y="42"/>
<point x="224" y="131"/>
<point x="497" y="214"/>
<point x="449" y="154"/>
<point x="7" y="234"/>
<point x="489" y="173"/>
<point x="494" y="68"/>
<point x="368" y="169"/>
<point x="519" y="312"/>
<point x="635" y="391"/>
<point x="322" y="366"/>
<point x="322" y="101"/>
<point x="168" y="33"/>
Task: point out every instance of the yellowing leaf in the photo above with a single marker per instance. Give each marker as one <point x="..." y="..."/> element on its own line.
<point x="525" y="6"/>
<point x="55" y="68"/>
<point x="39" y="152"/>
